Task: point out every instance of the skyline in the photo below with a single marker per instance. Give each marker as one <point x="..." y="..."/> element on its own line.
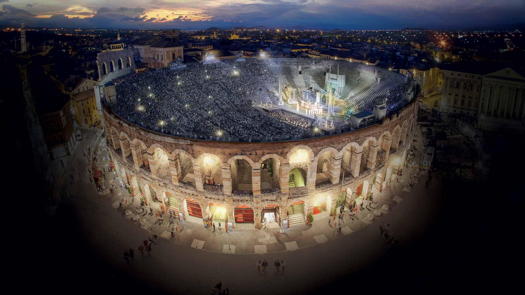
<point x="306" y="14"/>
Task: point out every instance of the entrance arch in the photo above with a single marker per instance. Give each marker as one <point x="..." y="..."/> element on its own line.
<point x="297" y="178"/>
<point x="160" y="164"/>
<point x="243" y="214"/>
<point x="193" y="208"/>
<point x="325" y="165"/>
<point x="270" y="169"/>
<point x="211" y="171"/>
<point x="241" y="174"/>
<point x="184" y="166"/>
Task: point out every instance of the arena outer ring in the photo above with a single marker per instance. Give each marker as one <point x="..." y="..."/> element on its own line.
<point x="373" y="156"/>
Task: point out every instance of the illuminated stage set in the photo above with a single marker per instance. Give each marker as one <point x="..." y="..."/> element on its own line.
<point x="252" y="143"/>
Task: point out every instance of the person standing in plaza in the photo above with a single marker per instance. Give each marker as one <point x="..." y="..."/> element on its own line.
<point x="264" y="265"/>
<point x="282" y="266"/>
<point x="259" y="266"/>
<point x="277" y="264"/>
<point x="141" y="250"/>
<point x="131" y="254"/>
<point x="148" y="249"/>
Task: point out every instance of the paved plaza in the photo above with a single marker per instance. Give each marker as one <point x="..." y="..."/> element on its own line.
<point x="195" y="259"/>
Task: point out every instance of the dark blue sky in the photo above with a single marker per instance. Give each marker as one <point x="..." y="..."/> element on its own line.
<point x="323" y="14"/>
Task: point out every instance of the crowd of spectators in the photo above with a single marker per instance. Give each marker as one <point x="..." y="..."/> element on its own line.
<point x="212" y="101"/>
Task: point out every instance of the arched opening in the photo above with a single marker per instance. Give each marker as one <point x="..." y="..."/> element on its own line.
<point x="125" y="178"/>
<point x="403" y="137"/>
<point x="270" y="216"/>
<point x="128" y="62"/>
<point x="140" y="148"/>
<point x="111" y="67"/>
<point x="296" y="214"/>
<point x="154" y="197"/>
<point x="104" y="69"/>
<point x="173" y="202"/>
<point x="211" y="172"/>
<point x="346" y="162"/>
<point x="396" y="137"/>
<point x="119" y="64"/>
<point x="241" y="173"/>
<point x="324" y="167"/>
<point x="270" y="175"/>
<point x="135" y="190"/>
<point x="365" y="157"/>
<point x="115" y="140"/>
<point x="193" y="211"/>
<point x="160" y="163"/>
<point x="384" y="148"/>
<point x="218" y="215"/>
<point x="184" y="166"/>
<point x="297" y="178"/>
<point x="321" y="206"/>
<point x="243" y="214"/>
<point x="126" y="149"/>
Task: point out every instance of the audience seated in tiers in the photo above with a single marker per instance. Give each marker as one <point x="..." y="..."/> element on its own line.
<point x="211" y="102"/>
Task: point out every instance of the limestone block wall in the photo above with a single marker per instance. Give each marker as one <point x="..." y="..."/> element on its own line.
<point x="372" y="154"/>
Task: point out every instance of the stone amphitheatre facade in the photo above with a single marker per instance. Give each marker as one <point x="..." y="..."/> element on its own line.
<point x="244" y="185"/>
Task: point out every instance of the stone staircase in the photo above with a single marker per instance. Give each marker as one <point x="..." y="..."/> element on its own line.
<point x="296" y="219"/>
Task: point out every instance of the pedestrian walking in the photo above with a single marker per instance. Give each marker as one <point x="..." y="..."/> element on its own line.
<point x="148" y="249"/>
<point x="277" y="264"/>
<point x="213" y="226"/>
<point x="152" y="240"/>
<point x="217" y="290"/>
<point x="131" y="254"/>
<point x="264" y="265"/>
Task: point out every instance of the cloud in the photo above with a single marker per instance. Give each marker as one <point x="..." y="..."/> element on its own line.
<point x="185" y="14"/>
<point x="12" y="15"/>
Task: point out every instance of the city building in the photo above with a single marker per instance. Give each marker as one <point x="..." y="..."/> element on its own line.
<point x="496" y="98"/>
<point x="84" y="104"/>
<point x="115" y="62"/>
<point x="159" y="56"/>
<point x="59" y="131"/>
<point x="460" y="92"/>
<point x="502" y="101"/>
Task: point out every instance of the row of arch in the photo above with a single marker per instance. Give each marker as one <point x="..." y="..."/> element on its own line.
<point x="114" y="65"/>
<point x="160" y="199"/>
<point x="300" y="170"/>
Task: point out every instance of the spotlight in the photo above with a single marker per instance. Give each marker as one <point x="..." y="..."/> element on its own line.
<point x="219" y="133"/>
<point x="141" y="108"/>
<point x="162" y="123"/>
<point x="263" y="54"/>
